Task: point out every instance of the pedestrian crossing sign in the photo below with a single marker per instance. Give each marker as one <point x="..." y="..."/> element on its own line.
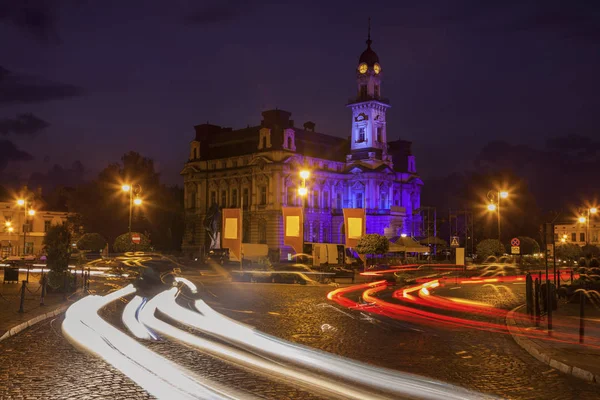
<point x="454" y="241"/>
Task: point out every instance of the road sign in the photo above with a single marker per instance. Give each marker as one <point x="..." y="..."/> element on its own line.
<point x="515" y="250"/>
<point x="454" y="241"/>
<point x="515" y="242"/>
<point x="136" y="238"/>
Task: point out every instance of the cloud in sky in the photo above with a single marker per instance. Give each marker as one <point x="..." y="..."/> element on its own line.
<point x="218" y="12"/>
<point x="23" y="124"/>
<point x="10" y="152"/>
<point x="23" y="89"/>
<point x="34" y="17"/>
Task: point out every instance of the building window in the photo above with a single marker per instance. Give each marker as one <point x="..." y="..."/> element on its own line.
<point x="192" y="200"/>
<point x="358" y="200"/>
<point x="28" y="248"/>
<point x="263" y="195"/>
<point x="383" y="201"/>
<point x="234" y="198"/>
<point x="246" y="230"/>
<point x="223" y="198"/>
<point x="573" y="237"/>
<point x="595" y="236"/>
<point x="338" y="201"/>
<point x="326" y="200"/>
<point x="361" y="134"/>
<point x="316" y="199"/>
<point x="363" y="91"/>
<point x="582" y="237"/>
<point x="213" y="165"/>
<point x="290" y="197"/>
<point x="245" y="199"/>
<point x="380" y="134"/>
<point x="262" y="231"/>
<point x="213" y="197"/>
<point x="234" y="163"/>
<point x="223" y="164"/>
<point x="47" y="225"/>
<point x="376" y="91"/>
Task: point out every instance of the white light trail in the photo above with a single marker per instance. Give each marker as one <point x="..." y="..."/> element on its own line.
<point x="157" y="375"/>
<point x="130" y="319"/>
<point x="187" y="283"/>
<point x="165" y="302"/>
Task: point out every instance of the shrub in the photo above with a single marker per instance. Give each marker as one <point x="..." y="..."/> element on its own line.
<point x="57" y="241"/>
<point x="123" y="243"/>
<point x="594" y="263"/>
<point x="489" y="247"/>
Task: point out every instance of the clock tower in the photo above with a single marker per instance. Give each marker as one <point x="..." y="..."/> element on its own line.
<point x="369" y="133"/>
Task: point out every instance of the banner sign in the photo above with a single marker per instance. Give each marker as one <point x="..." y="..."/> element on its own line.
<point x="355" y="225"/>
<point x="293" y="228"/>
<point x="231" y="237"/>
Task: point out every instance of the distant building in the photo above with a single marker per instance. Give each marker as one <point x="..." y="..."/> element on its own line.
<point x="577" y="233"/>
<point x="259" y="167"/>
<point x="14" y="219"/>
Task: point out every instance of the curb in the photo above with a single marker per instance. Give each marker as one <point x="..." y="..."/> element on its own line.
<point x="537" y="351"/>
<point x="18" y="328"/>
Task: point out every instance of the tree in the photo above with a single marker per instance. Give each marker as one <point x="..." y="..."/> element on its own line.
<point x="529" y="245"/>
<point x="489" y="247"/>
<point x="123" y="243"/>
<point x="91" y="242"/>
<point x="568" y="251"/>
<point x="372" y="244"/>
<point x="590" y="251"/>
<point x="57" y="242"/>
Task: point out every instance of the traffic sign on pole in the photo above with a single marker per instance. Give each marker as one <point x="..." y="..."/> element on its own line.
<point x="454" y="241"/>
<point x="515" y="242"/>
<point x="515" y="250"/>
<point x="136" y="238"/>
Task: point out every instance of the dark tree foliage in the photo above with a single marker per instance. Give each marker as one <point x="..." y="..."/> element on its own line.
<point x="103" y="207"/>
<point x="91" y="242"/>
<point x="123" y="243"/>
<point x="489" y="247"/>
<point x="529" y="245"/>
<point x="57" y="242"/>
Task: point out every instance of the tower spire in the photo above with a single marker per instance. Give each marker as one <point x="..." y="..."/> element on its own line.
<point x="369" y="41"/>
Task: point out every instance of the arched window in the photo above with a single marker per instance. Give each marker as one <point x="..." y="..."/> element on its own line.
<point x="262" y="231"/>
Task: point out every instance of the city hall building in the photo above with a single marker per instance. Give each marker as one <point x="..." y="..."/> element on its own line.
<point x="258" y="167"/>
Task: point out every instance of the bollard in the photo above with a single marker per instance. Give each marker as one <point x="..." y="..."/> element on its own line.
<point x="581" y="315"/>
<point x="536" y="299"/>
<point x="74" y="279"/>
<point x="27" y="277"/>
<point x="571" y="276"/>
<point x="43" y="282"/>
<point x="550" y="304"/>
<point x="88" y="278"/>
<point x="21" y="310"/>
<point x="529" y="294"/>
<point x="83" y="276"/>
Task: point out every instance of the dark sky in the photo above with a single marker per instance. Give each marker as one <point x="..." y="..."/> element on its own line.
<point x="111" y="76"/>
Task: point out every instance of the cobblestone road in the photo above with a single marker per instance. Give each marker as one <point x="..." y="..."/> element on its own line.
<point x="40" y="363"/>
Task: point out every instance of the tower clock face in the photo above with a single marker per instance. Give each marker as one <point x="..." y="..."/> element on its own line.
<point x="362" y="68"/>
<point x="377" y="68"/>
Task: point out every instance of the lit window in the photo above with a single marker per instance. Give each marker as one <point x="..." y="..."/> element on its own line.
<point x="361" y="134"/>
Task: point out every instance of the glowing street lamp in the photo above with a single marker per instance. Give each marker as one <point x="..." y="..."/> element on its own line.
<point x="302" y="191"/>
<point x="31" y="212"/>
<point x="593" y="210"/>
<point x="10" y="229"/>
<point x="494" y="205"/>
<point x="137" y="201"/>
<point x="21" y="202"/>
<point x="582" y="220"/>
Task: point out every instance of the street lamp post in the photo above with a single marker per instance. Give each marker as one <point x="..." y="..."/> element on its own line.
<point x="494" y="205"/>
<point x="303" y="193"/>
<point x="31" y="212"/>
<point x="137" y="201"/>
<point x="586" y="220"/>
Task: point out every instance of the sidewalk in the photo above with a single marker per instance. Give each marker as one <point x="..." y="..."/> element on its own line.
<point x="12" y="322"/>
<point x="561" y="350"/>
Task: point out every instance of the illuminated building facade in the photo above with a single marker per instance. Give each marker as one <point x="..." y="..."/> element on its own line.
<point x="259" y="167"/>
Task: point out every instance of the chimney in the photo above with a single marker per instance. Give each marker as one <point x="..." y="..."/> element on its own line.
<point x="309" y="126"/>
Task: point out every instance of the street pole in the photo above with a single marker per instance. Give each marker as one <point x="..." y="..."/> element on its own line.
<point x="499" y="236"/>
<point x="24" y="229"/>
<point x="130" y="208"/>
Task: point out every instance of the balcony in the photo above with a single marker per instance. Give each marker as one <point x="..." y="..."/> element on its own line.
<point x="359" y="99"/>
